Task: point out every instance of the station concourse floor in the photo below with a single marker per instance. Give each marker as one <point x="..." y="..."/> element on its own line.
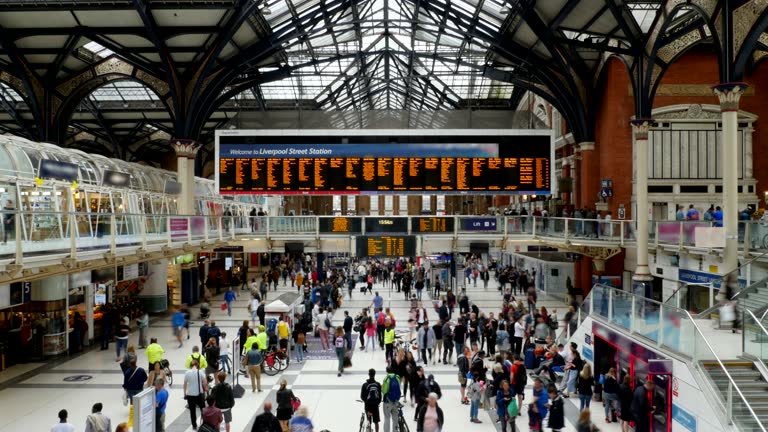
<point x="30" y="400"/>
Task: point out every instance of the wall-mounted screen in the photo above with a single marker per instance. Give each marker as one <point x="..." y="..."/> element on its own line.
<point x="384" y="161"/>
<point x="385" y="246"/>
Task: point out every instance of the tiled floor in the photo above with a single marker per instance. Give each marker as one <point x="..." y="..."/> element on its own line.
<point x="32" y="404"/>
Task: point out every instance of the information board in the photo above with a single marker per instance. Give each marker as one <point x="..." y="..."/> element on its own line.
<point x="144" y="411"/>
<point x="449" y="164"/>
<point x="386" y="225"/>
<point x="340" y="225"/>
<point x="385" y="246"/>
<point x="432" y="224"/>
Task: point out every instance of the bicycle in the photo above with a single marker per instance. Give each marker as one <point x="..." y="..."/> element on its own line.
<point x="401" y="423"/>
<point x="167" y="371"/>
<point x="366" y="425"/>
<point x="275" y="362"/>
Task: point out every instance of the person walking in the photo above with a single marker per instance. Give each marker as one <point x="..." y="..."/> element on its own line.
<point x="349" y="323"/>
<point x="556" y="409"/>
<point x="178" y="322"/>
<point x="437" y="330"/>
<point x="473" y="394"/>
<point x="253" y="307"/>
<point x="254" y="358"/>
<point x="625" y="402"/>
<point x="301" y="421"/>
<point x="426" y="342"/>
<point x="584" y="385"/>
<point x="504" y="397"/>
<point x="390" y="390"/>
<point x="224" y="397"/>
<point x="266" y="421"/>
<point x="300" y="339"/>
<point x="370" y="394"/>
<point x="324" y="325"/>
<point x="133" y="380"/>
<point x="63" y="425"/>
<point x="224" y="353"/>
<point x="370" y="334"/>
<point x="9" y="221"/>
<point x="195" y="387"/>
<point x="161" y="401"/>
<point x="284" y="398"/>
<point x="122" y="332"/>
<point x="585" y="422"/>
<point x="447" y="342"/>
<point x="229" y="297"/>
<point x="340" y="344"/>
<point x="97" y="421"/>
<point x="430" y="416"/>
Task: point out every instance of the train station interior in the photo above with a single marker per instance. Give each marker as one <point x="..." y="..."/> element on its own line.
<point x="574" y="182"/>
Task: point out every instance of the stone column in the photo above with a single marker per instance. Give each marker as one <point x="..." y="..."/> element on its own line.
<point x="186" y="152"/>
<point x="642" y="278"/>
<point x="155" y="293"/>
<point x="588" y="177"/>
<point x="729" y="95"/>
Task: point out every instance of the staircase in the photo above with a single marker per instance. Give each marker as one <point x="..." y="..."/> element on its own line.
<point x="752" y="385"/>
<point x="756" y="299"/>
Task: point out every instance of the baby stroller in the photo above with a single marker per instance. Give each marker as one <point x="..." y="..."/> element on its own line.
<point x="205" y="310"/>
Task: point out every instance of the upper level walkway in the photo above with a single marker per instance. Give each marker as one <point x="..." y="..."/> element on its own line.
<point x="78" y="241"/>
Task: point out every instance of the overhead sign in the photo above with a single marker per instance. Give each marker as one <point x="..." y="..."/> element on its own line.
<point x="58" y="170"/>
<point x="501" y="162"/>
<point x="432" y="224"/>
<point x="702" y="278"/>
<point x="116" y="179"/>
<point x="385" y="246"/>
<point x="479" y="224"/>
<point x="386" y="225"/>
<point x="340" y="225"/>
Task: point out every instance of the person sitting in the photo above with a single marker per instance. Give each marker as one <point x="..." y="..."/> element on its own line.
<point x="554" y="363"/>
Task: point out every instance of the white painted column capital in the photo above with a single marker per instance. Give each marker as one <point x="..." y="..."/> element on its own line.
<point x="640" y="130"/>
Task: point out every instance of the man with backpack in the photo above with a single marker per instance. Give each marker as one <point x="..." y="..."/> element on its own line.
<point x="390" y="391"/>
<point x="370" y="394"/>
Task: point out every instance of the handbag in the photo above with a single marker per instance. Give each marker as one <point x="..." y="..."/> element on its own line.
<point x="127" y="399"/>
<point x="224" y="306"/>
<point x="295" y="403"/>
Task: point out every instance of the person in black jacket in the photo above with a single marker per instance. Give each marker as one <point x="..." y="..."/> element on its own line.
<point x="224" y="397"/>
<point x="427" y="413"/>
<point x="370" y="394"/>
<point x="625" y="402"/>
<point x="610" y="394"/>
<point x="556" y="409"/>
<point x="266" y="421"/>
<point x="427" y="387"/>
<point x="642" y="406"/>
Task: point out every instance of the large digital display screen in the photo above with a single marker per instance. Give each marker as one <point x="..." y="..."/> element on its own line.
<point x="386" y="225"/>
<point x="432" y="224"/>
<point x="452" y="162"/>
<point x="385" y="246"/>
<point x="340" y="225"/>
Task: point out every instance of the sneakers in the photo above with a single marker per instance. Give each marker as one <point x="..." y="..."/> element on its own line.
<point x="475" y="421"/>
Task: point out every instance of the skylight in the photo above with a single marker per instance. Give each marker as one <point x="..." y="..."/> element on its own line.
<point x="97" y="50"/>
<point x="8" y="94"/>
<point x="644" y="13"/>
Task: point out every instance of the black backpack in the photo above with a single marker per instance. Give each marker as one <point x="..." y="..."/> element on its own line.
<point x="463" y="365"/>
<point x="373" y="393"/>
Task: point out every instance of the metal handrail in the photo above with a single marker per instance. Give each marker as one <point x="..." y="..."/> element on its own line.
<point x="758" y="321"/>
<point x="732" y="383"/>
<point x="708" y="311"/>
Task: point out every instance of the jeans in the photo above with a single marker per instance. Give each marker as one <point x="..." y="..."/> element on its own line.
<point x="142" y="337"/>
<point x="299" y="352"/>
<point x="348" y="338"/>
<point x="473" y="408"/>
<point x="340" y="355"/>
<point x="380" y="335"/>
<point x="584" y="401"/>
<point x="390" y="412"/>
<point x="132" y="393"/>
<point x="371" y="343"/>
<point x="459" y="348"/>
<point x="224" y="360"/>
<point x="611" y="400"/>
<point x="418" y="294"/>
<point x="120" y="346"/>
<point x="229" y="308"/>
<point x="447" y="350"/>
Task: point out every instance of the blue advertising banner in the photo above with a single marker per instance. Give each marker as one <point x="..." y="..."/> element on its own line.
<point x="479" y="224"/>
<point x="686" y="419"/>
<point x="358" y="150"/>
<point x="587" y="354"/>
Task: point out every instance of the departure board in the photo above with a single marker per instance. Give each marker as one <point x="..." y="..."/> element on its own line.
<point x="517" y="164"/>
<point x="340" y="225"/>
<point x="432" y="224"/>
<point x="385" y="246"/>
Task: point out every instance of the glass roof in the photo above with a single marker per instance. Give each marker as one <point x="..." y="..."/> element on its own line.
<point x="97" y="50"/>
<point x="644" y="13"/>
<point x="123" y="91"/>
<point x="9" y="94"/>
<point x="384" y="54"/>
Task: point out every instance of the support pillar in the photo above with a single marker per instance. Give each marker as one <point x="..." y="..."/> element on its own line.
<point x="588" y="177"/>
<point x="186" y="152"/>
<point x="729" y="95"/>
<point x="641" y="281"/>
<point x="154" y="296"/>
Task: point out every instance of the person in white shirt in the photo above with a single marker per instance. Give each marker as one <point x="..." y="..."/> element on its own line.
<point x="195" y="389"/>
<point x="517" y="338"/>
<point x="224" y="353"/>
<point x="62" y="425"/>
